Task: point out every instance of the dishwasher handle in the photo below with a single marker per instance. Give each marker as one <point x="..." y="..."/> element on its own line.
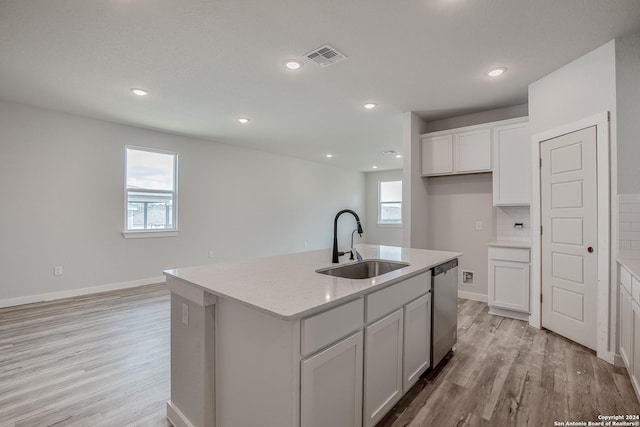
<point x="444" y="267"/>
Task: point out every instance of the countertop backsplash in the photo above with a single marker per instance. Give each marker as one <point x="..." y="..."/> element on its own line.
<point x="506" y="219"/>
<point x="629" y="226"/>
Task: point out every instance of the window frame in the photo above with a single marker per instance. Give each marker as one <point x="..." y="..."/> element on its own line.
<point x="380" y="203"/>
<point x="144" y="233"/>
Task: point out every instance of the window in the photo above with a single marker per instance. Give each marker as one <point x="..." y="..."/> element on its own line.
<point x="150" y="190"/>
<point x="390" y="205"/>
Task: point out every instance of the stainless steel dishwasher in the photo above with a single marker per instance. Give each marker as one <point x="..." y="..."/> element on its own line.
<point x="444" y="310"/>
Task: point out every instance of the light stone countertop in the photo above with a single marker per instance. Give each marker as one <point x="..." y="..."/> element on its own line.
<point x="632" y="264"/>
<point x="511" y="244"/>
<point x="288" y="286"/>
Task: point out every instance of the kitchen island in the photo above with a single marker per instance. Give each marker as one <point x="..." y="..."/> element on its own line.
<point x="271" y="342"/>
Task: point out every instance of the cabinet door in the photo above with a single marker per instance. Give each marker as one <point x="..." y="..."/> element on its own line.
<point x="626" y="329"/>
<point x="382" y="367"/>
<point x="417" y="340"/>
<point x="437" y="155"/>
<point x="635" y="345"/>
<point x="509" y="285"/>
<point x="511" y="165"/>
<point x="331" y="386"/>
<point x="472" y="151"/>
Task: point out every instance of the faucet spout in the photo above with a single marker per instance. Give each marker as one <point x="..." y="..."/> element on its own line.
<point x="335" y="254"/>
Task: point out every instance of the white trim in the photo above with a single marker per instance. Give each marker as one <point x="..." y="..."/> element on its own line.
<point x="10" y="302"/>
<point x="175" y="415"/>
<point x="601" y="121"/>
<point x="473" y="296"/>
<point x="144" y="234"/>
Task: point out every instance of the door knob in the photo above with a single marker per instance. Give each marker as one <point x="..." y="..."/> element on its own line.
<point x="590" y="249"/>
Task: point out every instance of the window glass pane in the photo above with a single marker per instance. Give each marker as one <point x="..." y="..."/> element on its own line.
<point x="391" y="191"/>
<point x="391" y="213"/>
<point x="150" y="170"/>
<point x="149" y="211"/>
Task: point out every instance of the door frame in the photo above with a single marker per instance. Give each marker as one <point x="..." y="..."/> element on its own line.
<point x="601" y="122"/>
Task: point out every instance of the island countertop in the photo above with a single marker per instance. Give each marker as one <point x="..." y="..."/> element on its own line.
<point x="289" y="287"/>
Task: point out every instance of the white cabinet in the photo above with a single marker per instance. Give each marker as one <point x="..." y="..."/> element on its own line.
<point x="629" y="332"/>
<point x="331" y="385"/>
<point x="509" y="282"/>
<point x="634" y="365"/>
<point x="511" y="165"/>
<point x="457" y="152"/>
<point x="437" y="155"/>
<point x="417" y="339"/>
<point x="382" y="367"/>
<point x="626" y="328"/>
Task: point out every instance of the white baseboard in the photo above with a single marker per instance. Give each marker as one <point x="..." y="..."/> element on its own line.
<point x="30" y="299"/>
<point x="177" y="418"/>
<point x="472" y="296"/>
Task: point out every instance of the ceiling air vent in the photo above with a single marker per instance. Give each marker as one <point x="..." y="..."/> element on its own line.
<point x="325" y="56"/>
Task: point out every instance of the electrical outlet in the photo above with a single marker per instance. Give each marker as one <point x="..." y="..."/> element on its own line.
<point x="478" y="225"/>
<point x="210" y="254"/>
<point x="57" y="270"/>
<point x="185" y="313"/>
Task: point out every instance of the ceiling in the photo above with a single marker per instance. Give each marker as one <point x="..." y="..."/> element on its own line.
<point x="208" y="63"/>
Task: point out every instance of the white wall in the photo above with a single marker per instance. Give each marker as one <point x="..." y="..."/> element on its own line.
<point x="455" y="204"/>
<point x="373" y="232"/>
<point x="577" y="91"/>
<point x="63" y="204"/>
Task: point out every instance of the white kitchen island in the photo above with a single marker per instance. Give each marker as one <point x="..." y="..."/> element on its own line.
<point x="271" y="342"/>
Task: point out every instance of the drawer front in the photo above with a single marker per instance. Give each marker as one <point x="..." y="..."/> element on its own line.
<point x="625" y="278"/>
<point x="395" y="296"/>
<point x="322" y="329"/>
<point x="509" y="254"/>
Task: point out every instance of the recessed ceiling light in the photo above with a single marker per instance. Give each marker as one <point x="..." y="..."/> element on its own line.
<point x="243" y="120"/>
<point x="370" y="106"/>
<point x="328" y="155"/>
<point x="398" y="156"/>
<point x="496" y="72"/>
<point x="374" y="167"/>
<point x="139" y="92"/>
<point x="293" y="64"/>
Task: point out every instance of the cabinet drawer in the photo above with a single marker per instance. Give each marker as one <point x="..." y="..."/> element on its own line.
<point x="625" y="278"/>
<point x="324" y="328"/>
<point x="395" y="296"/>
<point x="509" y="254"/>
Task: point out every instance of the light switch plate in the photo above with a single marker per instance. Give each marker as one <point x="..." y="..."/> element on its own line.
<point x="478" y="225"/>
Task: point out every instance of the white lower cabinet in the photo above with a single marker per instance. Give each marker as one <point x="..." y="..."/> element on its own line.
<point x="629" y="332"/>
<point x="626" y="328"/>
<point x="634" y="366"/>
<point x="331" y="385"/>
<point x="509" y="282"/>
<point x="417" y="340"/>
<point x="382" y="366"/>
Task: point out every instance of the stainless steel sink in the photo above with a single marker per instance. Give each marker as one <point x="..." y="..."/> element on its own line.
<point x="363" y="269"/>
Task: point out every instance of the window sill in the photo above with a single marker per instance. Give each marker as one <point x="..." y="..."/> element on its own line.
<point x="390" y="225"/>
<point x="149" y="234"/>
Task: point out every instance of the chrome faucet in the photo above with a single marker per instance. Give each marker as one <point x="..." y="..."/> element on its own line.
<point x="336" y="254"/>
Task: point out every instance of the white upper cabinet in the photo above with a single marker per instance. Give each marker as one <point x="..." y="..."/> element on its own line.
<point x="511" y="165"/>
<point x="458" y="151"/>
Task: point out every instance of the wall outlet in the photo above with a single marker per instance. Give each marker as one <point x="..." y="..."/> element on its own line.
<point x="57" y="270"/>
<point x="185" y="313"/>
<point x="210" y="254"/>
<point x="478" y="225"/>
<point x="467" y="277"/>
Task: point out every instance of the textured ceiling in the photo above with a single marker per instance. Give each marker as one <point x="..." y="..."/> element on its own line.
<point x="207" y="63"/>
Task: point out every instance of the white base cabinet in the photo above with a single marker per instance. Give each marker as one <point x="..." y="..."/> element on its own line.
<point x="629" y="334"/>
<point x="509" y="282"/>
<point x="331" y="388"/>
<point x="383" y="367"/>
<point x="343" y="367"/>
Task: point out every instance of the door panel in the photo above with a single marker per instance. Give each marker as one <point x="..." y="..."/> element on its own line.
<point x="569" y="241"/>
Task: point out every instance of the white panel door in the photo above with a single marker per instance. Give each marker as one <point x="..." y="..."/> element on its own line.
<point x="417" y="340"/>
<point x="382" y="367"/>
<point x="570" y="235"/>
<point x="331" y="389"/>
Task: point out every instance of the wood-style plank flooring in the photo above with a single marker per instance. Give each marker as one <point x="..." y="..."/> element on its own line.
<point x="103" y="360"/>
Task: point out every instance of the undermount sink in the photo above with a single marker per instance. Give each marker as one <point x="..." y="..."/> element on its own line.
<point x="363" y="269"/>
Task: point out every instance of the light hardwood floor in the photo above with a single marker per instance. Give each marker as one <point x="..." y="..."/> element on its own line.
<point x="103" y="360"/>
